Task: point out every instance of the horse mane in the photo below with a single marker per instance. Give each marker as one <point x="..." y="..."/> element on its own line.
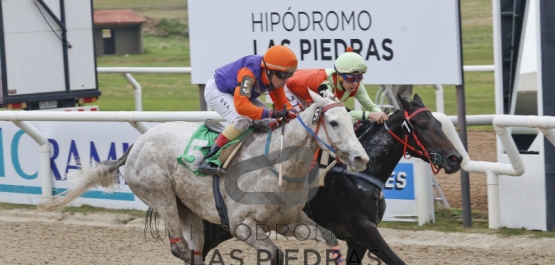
<point x="265" y="131"/>
<point x="369" y="127"/>
<point x="396" y="118"/>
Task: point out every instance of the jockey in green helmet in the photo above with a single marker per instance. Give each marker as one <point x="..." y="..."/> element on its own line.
<point x="344" y="81"/>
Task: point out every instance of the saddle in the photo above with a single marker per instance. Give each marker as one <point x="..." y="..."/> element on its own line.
<point x="217" y="127"/>
<point x="259" y="125"/>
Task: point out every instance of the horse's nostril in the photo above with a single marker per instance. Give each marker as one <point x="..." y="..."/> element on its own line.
<point x="454" y="158"/>
<point x="359" y="159"/>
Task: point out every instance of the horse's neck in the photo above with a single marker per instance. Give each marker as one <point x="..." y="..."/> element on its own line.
<point x="383" y="149"/>
<point x="295" y="133"/>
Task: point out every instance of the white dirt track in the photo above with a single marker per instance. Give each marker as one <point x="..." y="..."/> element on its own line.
<point x="102" y="238"/>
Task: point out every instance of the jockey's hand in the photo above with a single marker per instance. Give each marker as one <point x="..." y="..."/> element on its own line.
<point x="274" y="124"/>
<point x="378" y="117"/>
<point x="279" y="114"/>
<point x="291" y="114"/>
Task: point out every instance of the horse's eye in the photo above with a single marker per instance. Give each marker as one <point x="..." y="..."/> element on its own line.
<point x="422" y="126"/>
<point x="334" y="123"/>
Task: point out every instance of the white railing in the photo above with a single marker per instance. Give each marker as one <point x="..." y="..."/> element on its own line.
<point x="479" y="68"/>
<point x="492" y="169"/>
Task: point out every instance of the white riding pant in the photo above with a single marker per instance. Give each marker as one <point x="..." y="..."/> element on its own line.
<point x="223" y="104"/>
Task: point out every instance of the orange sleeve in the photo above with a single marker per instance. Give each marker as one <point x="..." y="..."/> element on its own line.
<point x="243" y="104"/>
<point x="279" y="98"/>
<point x="244" y="72"/>
<point x="311" y="78"/>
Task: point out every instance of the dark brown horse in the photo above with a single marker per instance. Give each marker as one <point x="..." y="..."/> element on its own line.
<point x="357" y="199"/>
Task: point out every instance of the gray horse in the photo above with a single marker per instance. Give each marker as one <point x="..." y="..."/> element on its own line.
<point x="255" y="202"/>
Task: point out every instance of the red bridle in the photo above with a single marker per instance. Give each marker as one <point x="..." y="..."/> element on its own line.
<point x="423" y="151"/>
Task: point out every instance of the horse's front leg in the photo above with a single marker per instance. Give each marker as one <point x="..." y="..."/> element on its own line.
<point x="304" y="228"/>
<point x="355" y="253"/>
<point x="367" y="234"/>
<point x="247" y="232"/>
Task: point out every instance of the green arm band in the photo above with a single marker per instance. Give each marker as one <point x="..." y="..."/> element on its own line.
<point x="358" y="115"/>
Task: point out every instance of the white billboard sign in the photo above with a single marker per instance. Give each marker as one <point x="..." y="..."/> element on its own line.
<point x="47" y="47"/>
<point x="403" y="42"/>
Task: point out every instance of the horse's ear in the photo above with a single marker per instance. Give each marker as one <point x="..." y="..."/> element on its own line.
<point x="320" y="101"/>
<point x="404" y="103"/>
<point x="418" y="99"/>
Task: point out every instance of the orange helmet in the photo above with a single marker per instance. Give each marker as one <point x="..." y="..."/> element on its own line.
<point x="280" y="58"/>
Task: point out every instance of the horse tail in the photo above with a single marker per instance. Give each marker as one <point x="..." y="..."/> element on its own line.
<point x="151" y="224"/>
<point x="105" y="174"/>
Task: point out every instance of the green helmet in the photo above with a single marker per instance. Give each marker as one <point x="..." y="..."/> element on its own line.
<point x="350" y="63"/>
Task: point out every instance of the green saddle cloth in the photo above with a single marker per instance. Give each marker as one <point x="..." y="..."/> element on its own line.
<point x="201" y="141"/>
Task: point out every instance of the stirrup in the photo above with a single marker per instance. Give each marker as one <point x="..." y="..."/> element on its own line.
<point x="208" y="168"/>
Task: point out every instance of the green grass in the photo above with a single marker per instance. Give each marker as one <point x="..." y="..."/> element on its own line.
<point x="450" y="220"/>
<point x="86" y="209"/>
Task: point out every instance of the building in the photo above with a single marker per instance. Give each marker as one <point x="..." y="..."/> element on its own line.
<point x="118" y="32"/>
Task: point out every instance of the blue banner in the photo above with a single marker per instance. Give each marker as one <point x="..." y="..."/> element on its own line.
<point x="400" y="185"/>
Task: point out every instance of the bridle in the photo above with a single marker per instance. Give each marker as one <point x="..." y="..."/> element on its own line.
<point x="435" y="159"/>
<point x="318" y="118"/>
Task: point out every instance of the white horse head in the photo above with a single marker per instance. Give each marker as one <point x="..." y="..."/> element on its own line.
<point x="335" y="129"/>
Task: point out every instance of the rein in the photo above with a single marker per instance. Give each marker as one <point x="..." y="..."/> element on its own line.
<point x="272" y="169"/>
<point x="433" y="158"/>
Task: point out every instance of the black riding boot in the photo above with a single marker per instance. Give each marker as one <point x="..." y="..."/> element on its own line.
<point x="209" y="168"/>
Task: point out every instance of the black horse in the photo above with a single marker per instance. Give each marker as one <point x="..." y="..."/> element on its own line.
<point x="357" y="199"/>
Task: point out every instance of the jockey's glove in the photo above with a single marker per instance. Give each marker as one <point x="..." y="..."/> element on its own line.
<point x="274" y="124"/>
<point x="286" y="114"/>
